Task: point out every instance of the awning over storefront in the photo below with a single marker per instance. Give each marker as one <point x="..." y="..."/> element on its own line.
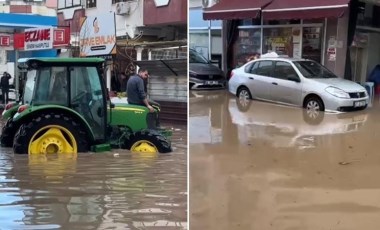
<point x="228" y="10"/>
<point x="301" y="9"/>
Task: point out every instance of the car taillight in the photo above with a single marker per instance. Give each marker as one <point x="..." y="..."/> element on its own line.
<point x="8" y="106"/>
<point x="232" y="74"/>
<point x="22" y="108"/>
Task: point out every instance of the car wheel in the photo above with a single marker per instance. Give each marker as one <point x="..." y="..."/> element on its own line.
<point x="244" y="93"/>
<point x="314" y="111"/>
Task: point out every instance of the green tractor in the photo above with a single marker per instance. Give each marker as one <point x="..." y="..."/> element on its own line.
<point x="65" y="108"/>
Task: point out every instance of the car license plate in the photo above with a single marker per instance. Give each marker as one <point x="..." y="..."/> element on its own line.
<point x="211" y="82"/>
<point x="359" y="103"/>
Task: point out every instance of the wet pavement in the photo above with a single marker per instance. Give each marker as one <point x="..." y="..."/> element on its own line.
<point x="113" y="190"/>
<point x="262" y="166"/>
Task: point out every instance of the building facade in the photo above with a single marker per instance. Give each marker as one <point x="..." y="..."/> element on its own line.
<point x="339" y="34"/>
<point x="149" y="33"/>
<point x="17" y="16"/>
<point x="205" y="36"/>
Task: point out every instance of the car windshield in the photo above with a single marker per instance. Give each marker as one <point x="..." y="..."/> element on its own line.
<point x="196" y="57"/>
<point x="311" y="69"/>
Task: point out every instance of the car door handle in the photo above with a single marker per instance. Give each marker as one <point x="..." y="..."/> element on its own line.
<point x="251" y="78"/>
<point x="274" y="83"/>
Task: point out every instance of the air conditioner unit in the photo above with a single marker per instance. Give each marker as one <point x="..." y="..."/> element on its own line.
<point x="209" y="3"/>
<point x="123" y="8"/>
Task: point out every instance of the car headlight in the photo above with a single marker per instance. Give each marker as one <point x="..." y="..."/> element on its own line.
<point x="337" y="92"/>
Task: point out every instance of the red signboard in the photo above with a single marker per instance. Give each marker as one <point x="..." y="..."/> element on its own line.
<point x="5" y="40"/>
<point x="61" y="38"/>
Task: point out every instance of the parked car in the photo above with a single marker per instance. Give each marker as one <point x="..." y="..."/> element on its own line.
<point x="297" y="82"/>
<point x="203" y="74"/>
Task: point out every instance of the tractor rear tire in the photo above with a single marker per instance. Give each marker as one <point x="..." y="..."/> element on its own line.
<point x="37" y="126"/>
<point x="151" y="137"/>
<point x="8" y="133"/>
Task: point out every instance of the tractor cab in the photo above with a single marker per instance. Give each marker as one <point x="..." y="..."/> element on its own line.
<point x="74" y="83"/>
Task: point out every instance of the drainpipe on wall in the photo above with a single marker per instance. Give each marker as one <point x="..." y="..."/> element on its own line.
<point x="209" y="40"/>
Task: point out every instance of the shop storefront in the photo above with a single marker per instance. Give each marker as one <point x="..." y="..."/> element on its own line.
<point x="315" y="30"/>
<point x="296" y="40"/>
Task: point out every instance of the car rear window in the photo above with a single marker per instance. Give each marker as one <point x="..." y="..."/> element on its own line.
<point x="265" y="68"/>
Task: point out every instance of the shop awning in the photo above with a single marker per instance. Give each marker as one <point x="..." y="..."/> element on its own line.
<point x="228" y="9"/>
<point x="301" y="9"/>
<point x="167" y="67"/>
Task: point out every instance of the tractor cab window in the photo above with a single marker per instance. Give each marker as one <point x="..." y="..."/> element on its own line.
<point x="87" y="97"/>
<point x="51" y="86"/>
<point x="29" y="86"/>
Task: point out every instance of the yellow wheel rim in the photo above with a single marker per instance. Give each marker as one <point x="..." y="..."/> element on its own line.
<point x="53" y="139"/>
<point x="144" y="146"/>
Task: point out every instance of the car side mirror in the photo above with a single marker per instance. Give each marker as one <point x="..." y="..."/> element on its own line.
<point x="294" y="78"/>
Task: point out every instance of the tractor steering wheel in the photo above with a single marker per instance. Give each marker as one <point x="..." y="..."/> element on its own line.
<point x="78" y="98"/>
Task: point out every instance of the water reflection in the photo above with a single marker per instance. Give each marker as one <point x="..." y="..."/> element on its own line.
<point x="114" y="190"/>
<point x="274" y="167"/>
<point x="219" y="117"/>
<point x="289" y="126"/>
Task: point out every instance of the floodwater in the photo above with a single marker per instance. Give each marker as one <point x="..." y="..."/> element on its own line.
<point x="262" y="166"/>
<point x="113" y="190"/>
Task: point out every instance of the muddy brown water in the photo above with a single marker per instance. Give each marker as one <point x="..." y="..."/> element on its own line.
<point x="113" y="190"/>
<point x="262" y="166"/>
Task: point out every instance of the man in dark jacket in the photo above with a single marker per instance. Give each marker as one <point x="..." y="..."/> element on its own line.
<point x="136" y="93"/>
<point x="4" y="84"/>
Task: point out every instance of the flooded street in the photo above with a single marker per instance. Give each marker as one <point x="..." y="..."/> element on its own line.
<point x="263" y="166"/>
<point x="114" y="190"/>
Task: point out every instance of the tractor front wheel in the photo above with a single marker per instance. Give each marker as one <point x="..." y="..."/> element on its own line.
<point x="7" y="133"/>
<point x="51" y="133"/>
<point x="149" y="141"/>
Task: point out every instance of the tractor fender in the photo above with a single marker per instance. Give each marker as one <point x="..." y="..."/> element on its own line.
<point x="32" y="111"/>
<point x="7" y="113"/>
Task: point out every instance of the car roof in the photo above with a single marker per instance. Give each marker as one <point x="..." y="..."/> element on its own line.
<point x="62" y="60"/>
<point x="282" y="59"/>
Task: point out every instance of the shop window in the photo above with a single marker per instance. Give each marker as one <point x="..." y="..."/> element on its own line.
<point x="311" y="43"/>
<point x="280" y="40"/>
<point x="313" y="21"/>
<point x="265" y="68"/>
<point x="68" y="3"/>
<point x="116" y="1"/>
<point x="284" y="70"/>
<point x="282" y="22"/>
<point x="248" y="43"/>
<point x="250" y="22"/>
<point x="91" y="3"/>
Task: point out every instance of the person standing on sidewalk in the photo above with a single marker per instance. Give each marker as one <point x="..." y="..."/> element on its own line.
<point x="4" y="85"/>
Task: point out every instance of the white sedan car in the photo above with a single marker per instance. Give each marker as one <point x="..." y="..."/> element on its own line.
<point x="297" y="82"/>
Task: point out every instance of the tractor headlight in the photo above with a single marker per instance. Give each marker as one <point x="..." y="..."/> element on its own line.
<point x="337" y="92"/>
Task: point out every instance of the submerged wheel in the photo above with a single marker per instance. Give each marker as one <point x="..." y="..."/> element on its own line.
<point x="7" y="133"/>
<point x="149" y="141"/>
<point x="51" y="133"/>
<point x="244" y="93"/>
<point x="314" y="110"/>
